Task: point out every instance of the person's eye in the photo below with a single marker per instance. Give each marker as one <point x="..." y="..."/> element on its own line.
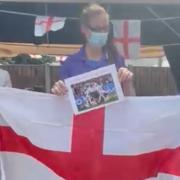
<point x="93" y="28"/>
<point x="99" y="29"/>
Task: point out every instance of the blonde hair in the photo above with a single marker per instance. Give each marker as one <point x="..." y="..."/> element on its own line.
<point x="93" y="10"/>
<point x="90" y="11"/>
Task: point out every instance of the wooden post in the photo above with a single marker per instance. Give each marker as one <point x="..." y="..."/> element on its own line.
<point x="47" y="78"/>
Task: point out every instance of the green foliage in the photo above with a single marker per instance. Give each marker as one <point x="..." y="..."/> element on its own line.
<point x="26" y="59"/>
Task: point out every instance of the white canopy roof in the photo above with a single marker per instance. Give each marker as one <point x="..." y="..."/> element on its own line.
<point x="103" y="1"/>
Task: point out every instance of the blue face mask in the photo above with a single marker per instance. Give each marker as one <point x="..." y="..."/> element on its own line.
<point x="98" y="39"/>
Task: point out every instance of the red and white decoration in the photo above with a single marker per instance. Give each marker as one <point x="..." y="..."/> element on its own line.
<point x="44" y="24"/>
<point x="136" y="139"/>
<point x="127" y="37"/>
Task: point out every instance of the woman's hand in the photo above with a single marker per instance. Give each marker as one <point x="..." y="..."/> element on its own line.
<point x="59" y="88"/>
<point x="125" y="75"/>
<point x="126" y="80"/>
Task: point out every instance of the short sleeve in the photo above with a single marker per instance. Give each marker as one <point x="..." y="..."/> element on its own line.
<point x="7" y="82"/>
<point x="64" y="69"/>
<point x="120" y="62"/>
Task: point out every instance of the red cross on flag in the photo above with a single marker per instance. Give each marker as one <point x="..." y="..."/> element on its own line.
<point x="127" y="37"/>
<point x="44" y="24"/>
<point x="41" y="139"/>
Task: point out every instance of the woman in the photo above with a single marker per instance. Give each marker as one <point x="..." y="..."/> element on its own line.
<point x="97" y="51"/>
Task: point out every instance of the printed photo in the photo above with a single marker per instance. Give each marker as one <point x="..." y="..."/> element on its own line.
<point x="102" y="89"/>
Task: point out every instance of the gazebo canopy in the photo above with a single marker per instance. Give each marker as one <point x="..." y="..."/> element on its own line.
<point x="103" y="1"/>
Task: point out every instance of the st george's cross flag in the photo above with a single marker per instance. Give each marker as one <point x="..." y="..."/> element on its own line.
<point x="126" y="37"/>
<point x="40" y="138"/>
<point x="44" y="24"/>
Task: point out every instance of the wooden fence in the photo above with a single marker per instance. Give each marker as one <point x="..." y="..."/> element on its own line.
<point x="26" y="76"/>
<point x="148" y="81"/>
<point x="153" y="81"/>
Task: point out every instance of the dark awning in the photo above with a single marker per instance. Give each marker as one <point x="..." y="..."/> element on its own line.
<point x="19" y="28"/>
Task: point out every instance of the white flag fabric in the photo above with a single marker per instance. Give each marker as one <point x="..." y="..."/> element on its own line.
<point x="127" y="35"/>
<point x="44" y="24"/>
<point x="136" y="139"/>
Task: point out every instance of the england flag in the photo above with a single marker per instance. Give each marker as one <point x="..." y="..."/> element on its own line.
<point x="44" y="24"/>
<point x="40" y="138"/>
<point x="127" y="37"/>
